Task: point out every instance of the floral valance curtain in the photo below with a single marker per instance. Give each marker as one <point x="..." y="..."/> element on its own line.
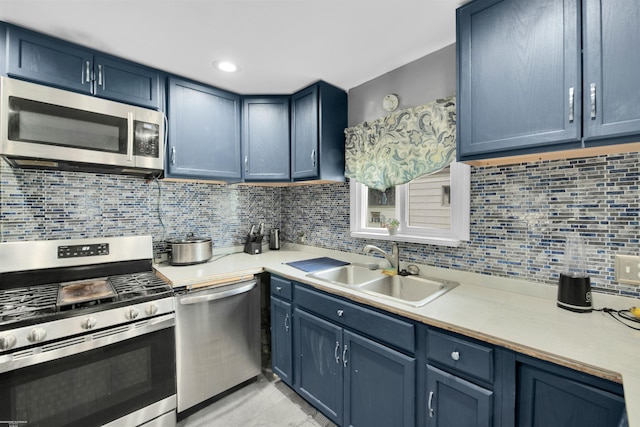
<point x="402" y="146"/>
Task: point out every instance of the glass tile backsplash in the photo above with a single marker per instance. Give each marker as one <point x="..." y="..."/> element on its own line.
<point x="521" y="214"/>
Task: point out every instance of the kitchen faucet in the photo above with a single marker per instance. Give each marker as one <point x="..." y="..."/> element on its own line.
<point x="394" y="258"/>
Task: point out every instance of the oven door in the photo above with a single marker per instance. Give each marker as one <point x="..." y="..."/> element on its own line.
<point x="109" y="376"/>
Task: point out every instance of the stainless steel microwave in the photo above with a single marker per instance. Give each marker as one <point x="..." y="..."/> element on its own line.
<point x="43" y="127"/>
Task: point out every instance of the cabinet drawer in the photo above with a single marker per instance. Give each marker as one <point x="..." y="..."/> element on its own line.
<point x="464" y="356"/>
<point x="377" y="325"/>
<point x="281" y="287"/>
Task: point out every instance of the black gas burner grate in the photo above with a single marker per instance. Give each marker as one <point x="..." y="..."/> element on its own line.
<point x="23" y="303"/>
<point x="129" y="286"/>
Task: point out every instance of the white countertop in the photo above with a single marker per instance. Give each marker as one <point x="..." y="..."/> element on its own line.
<point x="512" y="313"/>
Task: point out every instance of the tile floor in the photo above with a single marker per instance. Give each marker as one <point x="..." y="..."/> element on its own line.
<point x="262" y="403"/>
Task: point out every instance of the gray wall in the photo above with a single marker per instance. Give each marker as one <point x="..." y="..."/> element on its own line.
<point x="416" y="83"/>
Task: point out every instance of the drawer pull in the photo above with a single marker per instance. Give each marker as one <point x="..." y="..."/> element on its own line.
<point x="278" y="288"/>
<point x="286" y="322"/>
<point x="430" y="404"/>
<point x="340" y="313"/>
<point x="335" y="352"/>
<point x="455" y="355"/>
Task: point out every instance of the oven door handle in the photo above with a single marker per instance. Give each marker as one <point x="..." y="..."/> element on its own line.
<point x="219" y="293"/>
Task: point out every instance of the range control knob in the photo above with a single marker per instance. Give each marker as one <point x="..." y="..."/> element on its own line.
<point x="151" y="309"/>
<point x="88" y="323"/>
<point x="36" y="335"/>
<point x="7" y="341"/>
<point x="132" y="313"/>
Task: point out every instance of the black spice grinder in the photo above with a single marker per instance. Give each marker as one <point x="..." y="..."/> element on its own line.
<point x="574" y="285"/>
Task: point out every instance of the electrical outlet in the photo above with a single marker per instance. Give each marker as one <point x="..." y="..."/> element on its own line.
<point x="628" y="269"/>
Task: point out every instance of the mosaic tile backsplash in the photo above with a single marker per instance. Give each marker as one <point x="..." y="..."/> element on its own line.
<point x="521" y="215"/>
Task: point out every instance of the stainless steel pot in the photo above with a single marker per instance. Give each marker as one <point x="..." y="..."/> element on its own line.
<point x="189" y="251"/>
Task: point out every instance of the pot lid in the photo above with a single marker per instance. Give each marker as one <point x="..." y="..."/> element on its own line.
<point x="190" y="240"/>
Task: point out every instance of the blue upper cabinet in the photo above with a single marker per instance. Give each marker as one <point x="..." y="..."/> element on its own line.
<point x="265" y="138"/>
<point x="318" y="120"/>
<point x="204" y="132"/>
<point x="519" y="84"/>
<point x="42" y="59"/>
<point x="611" y="93"/>
<point x="127" y="82"/>
<point x="524" y="88"/>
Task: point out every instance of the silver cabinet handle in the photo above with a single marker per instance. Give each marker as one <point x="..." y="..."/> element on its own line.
<point x="100" y="81"/>
<point x="344" y="356"/>
<point x="278" y="288"/>
<point x="455" y="355"/>
<point x="593" y="100"/>
<point x="335" y="352"/>
<point x="173" y="155"/>
<point x="87" y="71"/>
<point x="340" y="313"/>
<point x="430" y="404"/>
<point x="313" y="158"/>
<point x="571" y="101"/>
<point x="286" y="322"/>
<point x="246" y="164"/>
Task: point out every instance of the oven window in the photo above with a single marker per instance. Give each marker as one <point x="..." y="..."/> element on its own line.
<point x="43" y="123"/>
<point x="94" y="387"/>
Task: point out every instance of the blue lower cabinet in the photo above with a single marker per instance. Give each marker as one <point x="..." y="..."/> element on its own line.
<point x="318" y="367"/>
<point x="455" y="402"/>
<point x="553" y="396"/>
<point x="281" y="342"/>
<point x="379" y="384"/>
<point x="353" y="380"/>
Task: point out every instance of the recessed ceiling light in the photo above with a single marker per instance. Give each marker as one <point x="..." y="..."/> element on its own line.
<point x="226" y="66"/>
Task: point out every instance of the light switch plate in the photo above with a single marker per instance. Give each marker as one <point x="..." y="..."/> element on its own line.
<point x="628" y="269"/>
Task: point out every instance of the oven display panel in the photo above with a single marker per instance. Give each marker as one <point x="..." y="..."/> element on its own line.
<point x="75" y="251"/>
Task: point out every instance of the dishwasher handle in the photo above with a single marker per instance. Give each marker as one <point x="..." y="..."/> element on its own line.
<point x="219" y="293"/>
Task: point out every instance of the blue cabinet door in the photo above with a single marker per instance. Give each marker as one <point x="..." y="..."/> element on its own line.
<point x="281" y="344"/>
<point x="318" y="367"/>
<point x="454" y="402"/>
<point x="127" y="82"/>
<point x="49" y="61"/>
<point x="318" y="120"/>
<point x="549" y="399"/>
<point x="519" y="77"/>
<point x="265" y="138"/>
<point x="204" y="132"/>
<point x="611" y="65"/>
<point x="379" y="384"/>
<point x="304" y="133"/>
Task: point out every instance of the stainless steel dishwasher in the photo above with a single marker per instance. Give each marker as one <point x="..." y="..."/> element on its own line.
<point x="217" y="340"/>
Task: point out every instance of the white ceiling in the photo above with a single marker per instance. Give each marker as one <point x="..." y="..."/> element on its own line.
<point x="281" y="46"/>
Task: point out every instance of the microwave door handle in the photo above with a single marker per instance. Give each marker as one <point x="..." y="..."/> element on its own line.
<point x="130" y="136"/>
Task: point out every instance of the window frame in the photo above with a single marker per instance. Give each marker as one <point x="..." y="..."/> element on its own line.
<point x="460" y="213"/>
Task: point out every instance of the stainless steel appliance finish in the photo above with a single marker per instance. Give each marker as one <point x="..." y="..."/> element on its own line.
<point x="189" y="251"/>
<point x="43" y="127"/>
<point x="217" y="340"/>
<point x="274" y="239"/>
<point x="112" y="352"/>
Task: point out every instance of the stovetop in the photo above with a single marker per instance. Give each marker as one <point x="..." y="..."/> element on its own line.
<point x="40" y="303"/>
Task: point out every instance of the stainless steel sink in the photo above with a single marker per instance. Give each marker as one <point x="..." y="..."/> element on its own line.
<point x="412" y="290"/>
<point x="348" y="275"/>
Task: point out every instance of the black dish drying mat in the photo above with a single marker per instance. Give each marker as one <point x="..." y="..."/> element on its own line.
<point x="317" y="264"/>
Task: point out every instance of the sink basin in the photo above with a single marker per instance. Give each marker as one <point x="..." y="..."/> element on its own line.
<point x="348" y="275"/>
<point x="411" y="290"/>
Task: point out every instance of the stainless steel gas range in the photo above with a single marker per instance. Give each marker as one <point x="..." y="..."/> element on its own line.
<point x="86" y="335"/>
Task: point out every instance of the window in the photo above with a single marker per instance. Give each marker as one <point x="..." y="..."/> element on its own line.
<point x="432" y="209"/>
